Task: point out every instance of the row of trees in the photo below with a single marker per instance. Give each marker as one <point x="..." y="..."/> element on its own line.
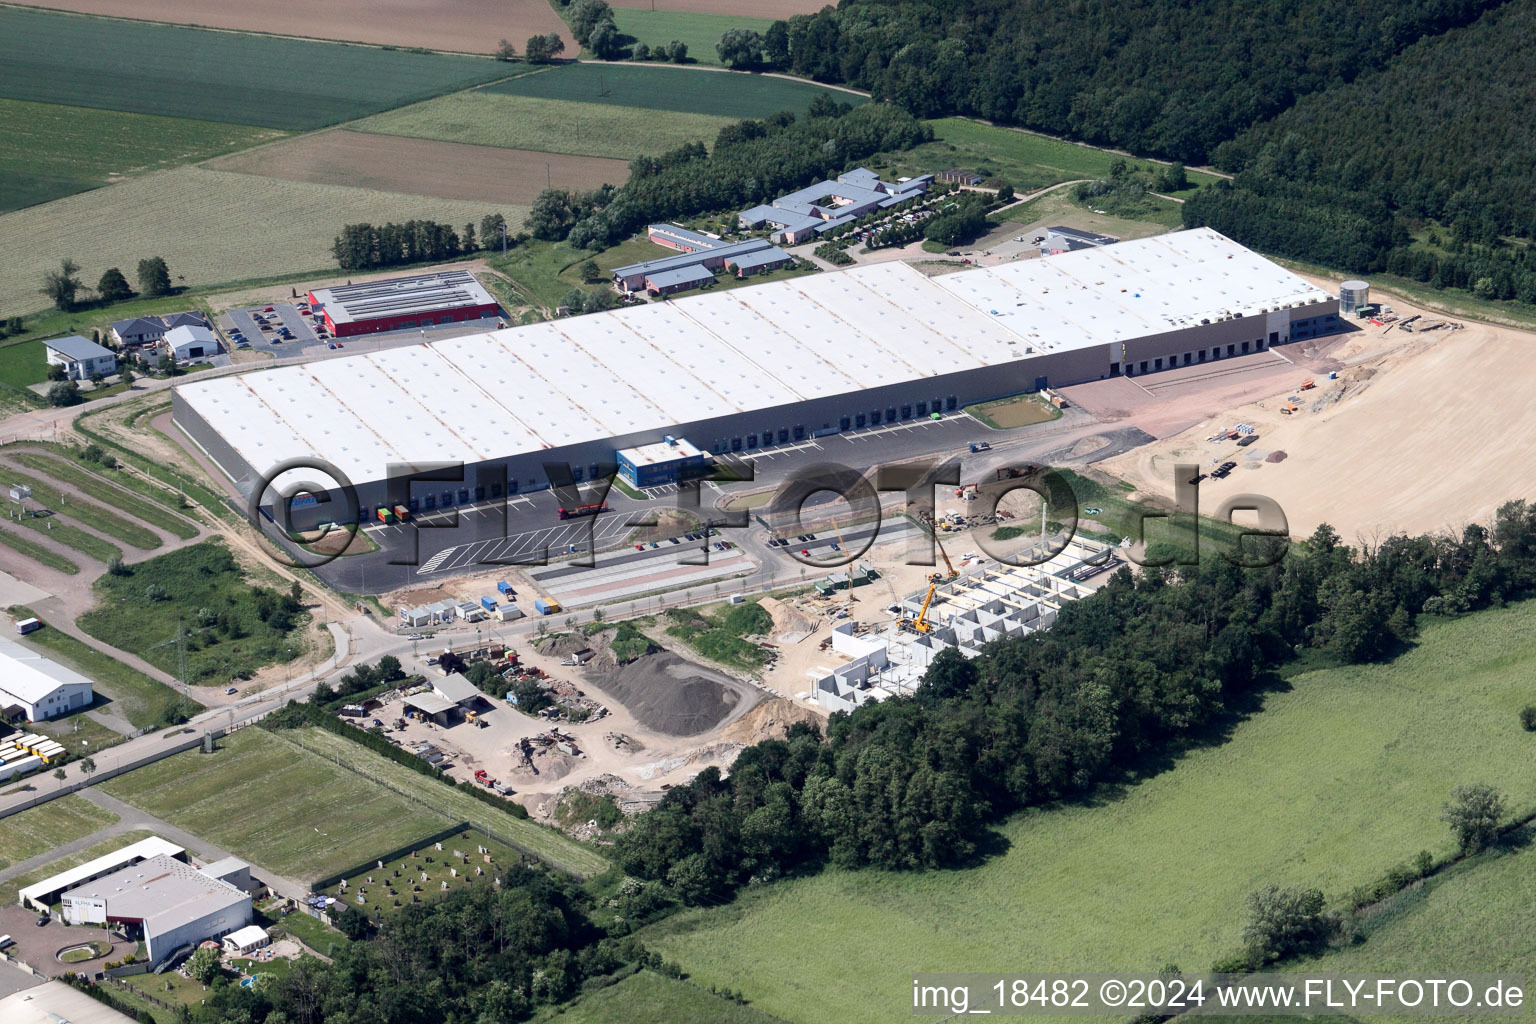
<point x="67" y="292"/>
<point x="1139" y="669"/>
<point x="365" y="246"/>
<point x="753" y="162"/>
<point x="540" y="49"/>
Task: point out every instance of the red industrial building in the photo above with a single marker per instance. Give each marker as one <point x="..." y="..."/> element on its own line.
<point x="403" y="303"/>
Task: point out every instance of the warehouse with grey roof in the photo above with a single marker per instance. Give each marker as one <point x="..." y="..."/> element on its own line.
<point x="738" y="370"/>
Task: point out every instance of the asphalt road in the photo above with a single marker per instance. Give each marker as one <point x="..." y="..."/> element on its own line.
<point x="524" y="530"/>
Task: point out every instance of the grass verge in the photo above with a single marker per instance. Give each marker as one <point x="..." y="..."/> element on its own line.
<point x="86" y="513"/>
<point x="98" y="488"/>
<point x="36" y="552"/>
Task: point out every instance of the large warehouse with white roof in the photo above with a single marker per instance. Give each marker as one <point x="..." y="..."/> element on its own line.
<point x="742" y="369"/>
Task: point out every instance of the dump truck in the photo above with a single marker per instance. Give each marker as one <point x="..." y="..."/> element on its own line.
<point x="1308" y="385"/>
<point x="578" y="511"/>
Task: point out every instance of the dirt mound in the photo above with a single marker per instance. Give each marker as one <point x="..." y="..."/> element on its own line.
<point x="1089" y="445"/>
<point x="672" y="694"/>
<point x="770" y="720"/>
<point x="561" y="646"/>
<point x="1275" y="457"/>
<point x="785" y="618"/>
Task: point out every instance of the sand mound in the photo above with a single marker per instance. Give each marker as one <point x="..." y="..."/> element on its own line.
<point x="770" y="720"/>
<point x="672" y="694"/>
<point x="785" y="618"/>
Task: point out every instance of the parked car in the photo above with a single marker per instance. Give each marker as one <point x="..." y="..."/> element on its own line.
<point x="639" y="547"/>
<point x="230" y="691"/>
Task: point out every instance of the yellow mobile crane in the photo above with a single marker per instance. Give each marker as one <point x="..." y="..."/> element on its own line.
<point x="937" y="577"/>
<point x="921" y="623"/>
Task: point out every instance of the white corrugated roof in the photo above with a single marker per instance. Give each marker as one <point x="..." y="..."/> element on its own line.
<point x="27" y="675"/>
<point x="643" y="369"/>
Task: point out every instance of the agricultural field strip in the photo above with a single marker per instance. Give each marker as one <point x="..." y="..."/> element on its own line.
<point x="529" y="123"/>
<point x="230" y="77"/>
<point x="448" y="170"/>
<point x="53" y="150"/>
<point x="465" y="26"/>
<point x="638" y="87"/>
<point x="699" y="31"/>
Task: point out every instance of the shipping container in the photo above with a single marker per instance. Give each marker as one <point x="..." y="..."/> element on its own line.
<point x="505" y="588"/>
<point x="544" y="607"/>
<point x="402" y="513"/>
<point x="488" y="603"/>
<point x="386" y="515"/>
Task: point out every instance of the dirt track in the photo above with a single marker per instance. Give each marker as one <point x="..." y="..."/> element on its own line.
<point x="467" y="26"/>
<point x="449" y="170"/>
<point x="1422" y="432"/>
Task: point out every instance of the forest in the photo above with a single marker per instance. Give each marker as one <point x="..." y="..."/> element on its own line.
<point x="1124" y="679"/>
<point x="1168" y="78"/>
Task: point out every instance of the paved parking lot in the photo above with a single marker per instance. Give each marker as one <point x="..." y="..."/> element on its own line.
<point x="39" y="947"/>
<point x="284" y="314"/>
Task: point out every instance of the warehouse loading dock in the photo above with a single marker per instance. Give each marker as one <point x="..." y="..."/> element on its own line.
<point x="741" y="370"/>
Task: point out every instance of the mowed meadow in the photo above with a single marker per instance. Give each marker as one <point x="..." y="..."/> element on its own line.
<point x="1338" y="778"/>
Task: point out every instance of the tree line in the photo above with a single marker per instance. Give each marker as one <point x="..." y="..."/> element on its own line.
<point x="67" y="292"/>
<point x="752" y="162"/>
<point x="1145" y="666"/>
<point x="367" y="246"/>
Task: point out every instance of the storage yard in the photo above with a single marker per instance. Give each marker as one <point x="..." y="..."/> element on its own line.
<point x="907" y="348"/>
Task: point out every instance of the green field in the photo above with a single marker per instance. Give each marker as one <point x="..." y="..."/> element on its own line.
<point x="231" y="624"/>
<point x="143" y="701"/>
<point x="487" y="118"/>
<point x="1023" y="160"/>
<point x="61" y="470"/>
<point x="700" y="31"/>
<point x="268" y="802"/>
<point x="661" y="88"/>
<point x="39" y="829"/>
<point x="87" y="513"/>
<point x="1340" y="776"/>
<point x="554" y="847"/>
<point x="148" y="68"/>
<point x="53" y="151"/>
<point x="23" y="364"/>
<point x="212" y="227"/>
<point x="9" y="889"/>
<point x="650" y="998"/>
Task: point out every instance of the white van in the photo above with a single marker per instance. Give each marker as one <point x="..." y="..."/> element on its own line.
<point x="6" y="940"/>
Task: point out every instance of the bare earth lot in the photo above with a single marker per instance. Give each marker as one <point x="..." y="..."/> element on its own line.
<point x="467" y="26"/>
<point x="1421" y="432"/>
<point x="447" y="170"/>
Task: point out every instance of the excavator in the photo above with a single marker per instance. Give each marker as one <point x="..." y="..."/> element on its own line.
<point x="921" y="623"/>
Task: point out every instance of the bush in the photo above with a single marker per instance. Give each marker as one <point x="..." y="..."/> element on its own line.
<point x="1474" y="813"/>
<point x="1282" y="922"/>
<point x="1528" y="718"/>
